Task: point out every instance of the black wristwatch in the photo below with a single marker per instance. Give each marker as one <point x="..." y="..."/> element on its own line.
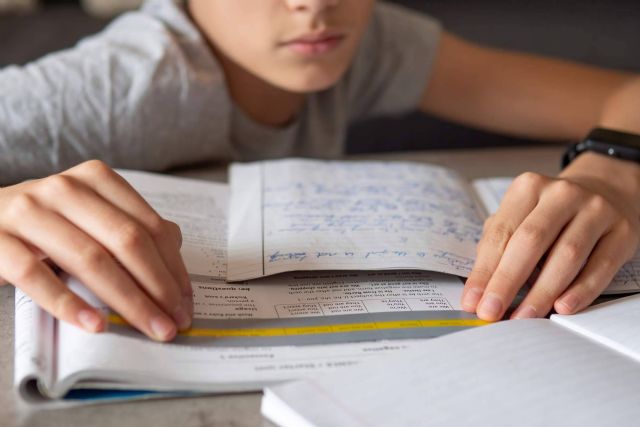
<point x="608" y="142"/>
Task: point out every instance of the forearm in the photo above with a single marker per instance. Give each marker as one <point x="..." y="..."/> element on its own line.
<point x="523" y="95"/>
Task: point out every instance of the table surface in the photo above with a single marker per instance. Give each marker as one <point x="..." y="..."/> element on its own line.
<point x="236" y="410"/>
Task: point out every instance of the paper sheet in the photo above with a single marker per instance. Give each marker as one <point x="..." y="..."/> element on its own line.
<point x="615" y="324"/>
<point x="312" y="215"/>
<point x="527" y="372"/>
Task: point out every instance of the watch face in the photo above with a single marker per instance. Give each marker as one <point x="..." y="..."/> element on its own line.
<point x="608" y="142"/>
<point x="614" y="137"/>
<point x="611" y="143"/>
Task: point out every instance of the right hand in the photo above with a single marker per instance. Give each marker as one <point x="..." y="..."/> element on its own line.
<point x="91" y="223"/>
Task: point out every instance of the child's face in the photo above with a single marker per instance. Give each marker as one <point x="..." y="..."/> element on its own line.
<point x="297" y="45"/>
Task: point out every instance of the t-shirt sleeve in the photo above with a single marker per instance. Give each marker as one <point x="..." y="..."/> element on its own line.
<point x="142" y="94"/>
<point x="393" y="63"/>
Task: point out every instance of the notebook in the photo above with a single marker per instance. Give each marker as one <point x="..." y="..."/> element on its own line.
<point x="579" y="370"/>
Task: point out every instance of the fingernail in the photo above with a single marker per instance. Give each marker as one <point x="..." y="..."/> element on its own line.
<point x="181" y="315"/>
<point x="490" y="308"/>
<point x="90" y="320"/>
<point x="470" y="299"/>
<point x="528" y="312"/>
<point x="162" y="328"/>
<point x="570" y="302"/>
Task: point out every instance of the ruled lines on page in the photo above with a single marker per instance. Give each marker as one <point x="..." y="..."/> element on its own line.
<point x="309" y="214"/>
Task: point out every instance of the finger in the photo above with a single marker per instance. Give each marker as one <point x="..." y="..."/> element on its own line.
<point x="116" y="190"/>
<point x="566" y="258"/>
<point x="518" y="202"/>
<point x="523" y="252"/>
<point x="82" y="257"/>
<point x="21" y="267"/>
<point x="125" y="238"/>
<point x="611" y="252"/>
<point x="177" y="267"/>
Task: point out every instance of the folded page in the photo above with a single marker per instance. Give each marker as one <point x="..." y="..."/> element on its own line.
<point x="288" y="215"/>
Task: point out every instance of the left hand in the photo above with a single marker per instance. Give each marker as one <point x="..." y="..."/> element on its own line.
<point x="587" y="223"/>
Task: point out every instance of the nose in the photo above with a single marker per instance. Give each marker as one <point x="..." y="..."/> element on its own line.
<point x="310" y="6"/>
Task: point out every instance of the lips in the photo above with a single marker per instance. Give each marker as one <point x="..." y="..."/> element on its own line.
<point x="315" y="43"/>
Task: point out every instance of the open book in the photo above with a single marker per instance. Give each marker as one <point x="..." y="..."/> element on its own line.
<point x="294" y="214"/>
<point x="244" y="335"/>
<point x="295" y="325"/>
<point x="579" y="370"/>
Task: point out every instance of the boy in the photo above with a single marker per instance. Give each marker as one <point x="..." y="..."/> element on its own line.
<point x="250" y="79"/>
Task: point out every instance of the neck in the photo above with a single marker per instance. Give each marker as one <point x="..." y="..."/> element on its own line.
<point x="261" y="101"/>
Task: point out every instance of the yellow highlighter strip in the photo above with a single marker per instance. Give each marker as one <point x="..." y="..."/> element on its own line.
<point x="319" y="329"/>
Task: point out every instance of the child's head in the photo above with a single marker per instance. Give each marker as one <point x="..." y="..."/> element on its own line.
<point x="296" y="45"/>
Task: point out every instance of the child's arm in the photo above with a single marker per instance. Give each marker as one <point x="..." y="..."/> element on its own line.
<point x="90" y="222"/>
<point x="586" y="220"/>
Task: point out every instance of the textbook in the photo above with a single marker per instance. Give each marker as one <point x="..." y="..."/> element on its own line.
<point x="579" y="370"/>
<point x="245" y="335"/>
<point x="377" y="284"/>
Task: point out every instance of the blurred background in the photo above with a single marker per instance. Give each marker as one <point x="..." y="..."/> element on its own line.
<point x="599" y="32"/>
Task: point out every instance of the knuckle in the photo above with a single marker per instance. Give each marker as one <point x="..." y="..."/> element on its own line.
<point x="487" y="223"/>
<point x="26" y="271"/>
<point x="158" y="227"/>
<point x="627" y="227"/>
<point x="564" y="189"/>
<point x="506" y="277"/>
<point x="131" y="236"/>
<point x="532" y="234"/>
<point x="62" y="304"/>
<point x="168" y="296"/>
<point x="21" y="205"/>
<point x="545" y="295"/>
<point x="599" y="205"/>
<point x="528" y="181"/>
<point x="96" y="168"/>
<point x="498" y="235"/>
<point x="58" y="185"/>
<point x="93" y="257"/>
<point x="608" y="265"/>
<point x="571" y="252"/>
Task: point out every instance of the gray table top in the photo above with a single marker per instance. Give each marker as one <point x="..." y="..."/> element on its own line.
<point x="237" y="409"/>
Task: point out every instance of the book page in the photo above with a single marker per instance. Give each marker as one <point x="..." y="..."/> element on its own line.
<point x="316" y="215"/>
<point x="615" y="324"/>
<point x="199" y="208"/>
<point x="34" y="345"/>
<point x="26" y="354"/>
<point x="490" y="192"/>
<point x="527" y="372"/>
<point x="279" y="328"/>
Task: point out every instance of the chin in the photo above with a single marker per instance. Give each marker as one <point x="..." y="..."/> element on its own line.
<point x="308" y="81"/>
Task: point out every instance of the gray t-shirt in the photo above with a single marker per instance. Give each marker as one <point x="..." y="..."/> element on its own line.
<point x="147" y="93"/>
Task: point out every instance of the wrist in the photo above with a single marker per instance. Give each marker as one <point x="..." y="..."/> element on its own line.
<point x="607" y="174"/>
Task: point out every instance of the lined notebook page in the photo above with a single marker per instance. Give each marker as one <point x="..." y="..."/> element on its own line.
<point x="490" y="192"/>
<point x="527" y="373"/>
<point x="311" y="215"/>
